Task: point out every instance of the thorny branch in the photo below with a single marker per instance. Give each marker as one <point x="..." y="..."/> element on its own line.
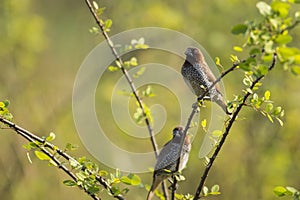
<point x="226" y="132"/>
<point x="34" y="138"/>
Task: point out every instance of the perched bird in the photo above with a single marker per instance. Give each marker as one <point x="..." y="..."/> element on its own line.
<point x="168" y="158"/>
<point x="199" y="77"/>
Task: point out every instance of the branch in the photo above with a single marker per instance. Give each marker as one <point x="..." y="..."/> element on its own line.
<point x="124" y="71"/>
<point x="226" y="132"/>
<point x="131" y="84"/>
<point x="195" y="110"/>
<point x="33" y="138"/>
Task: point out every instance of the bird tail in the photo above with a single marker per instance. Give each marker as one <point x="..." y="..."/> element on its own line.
<point x="150" y="195"/>
<point x="157" y="179"/>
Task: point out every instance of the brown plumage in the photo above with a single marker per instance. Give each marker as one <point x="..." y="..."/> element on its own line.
<point x="199" y="77"/>
<point x="168" y="157"/>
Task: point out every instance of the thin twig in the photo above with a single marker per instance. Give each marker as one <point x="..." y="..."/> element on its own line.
<point x="195" y="110"/>
<point x="132" y="86"/>
<point x="32" y="138"/>
<point x="227" y="130"/>
<point x="124" y="71"/>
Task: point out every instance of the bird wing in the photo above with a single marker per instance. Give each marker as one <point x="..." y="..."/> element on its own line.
<point x="168" y="156"/>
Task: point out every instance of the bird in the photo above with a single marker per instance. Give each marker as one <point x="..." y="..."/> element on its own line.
<point x="198" y="76"/>
<point x="167" y="160"/>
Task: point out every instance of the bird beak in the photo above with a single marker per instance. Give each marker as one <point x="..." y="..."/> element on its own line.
<point x="188" y="52"/>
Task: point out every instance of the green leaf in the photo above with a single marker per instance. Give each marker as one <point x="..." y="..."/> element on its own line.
<point x="81" y="175"/>
<point x="215" y="188"/>
<point x="279" y="121"/>
<point x="269" y="47"/>
<point x="51" y="137"/>
<point x="279" y="191"/>
<point x="70" y="183"/>
<point x="239" y="29"/>
<point x="203" y="123"/>
<point x="295" y="70"/>
<point x="277" y="110"/>
<point x="107" y="25"/>
<point x="255" y="51"/>
<point x="269" y="107"/>
<point x="291" y="189"/>
<point x="133" y="61"/>
<point x="263" y="8"/>
<point x="71" y="147"/>
<point x="95" y="5"/>
<point x="113" y="68"/>
<point x="283" y="39"/>
<point x="218" y="62"/>
<point x="270" y="118"/>
<point x="217" y="133"/>
<point x="297" y="14"/>
<point x="135" y="180"/>
<point x="281" y="7"/>
<point x="205" y="190"/>
<point x="126" y="180"/>
<point x="139" y="72"/>
<point x="6" y="103"/>
<point x="103" y="173"/>
<point x="42" y="156"/>
<point x="267" y="95"/>
<point x="237" y="48"/>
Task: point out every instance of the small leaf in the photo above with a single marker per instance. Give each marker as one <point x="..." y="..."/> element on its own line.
<point x="133" y="61"/>
<point x="291" y="189"/>
<point x="237" y="48"/>
<point x="239" y="29"/>
<point x="297" y="15"/>
<point x="281" y="7"/>
<point x="205" y="190"/>
<point x="277" y="110"/>
<point x="113" y="68"/>
<point x="267" y="95"/>
<point x="125" y="180"/>
<point x="279" y="121"/>
<point x="139" y="72"/>
<point x="108" y="24"/>
<point x="218" y="62"/>
<point x="215" y="188"/>
<point x="217" y="133"/>
<point x="283" y="39"/>
<point x="295" y="70"/>
<point x="6" y="103"/>
<point x="263" y="8"/>
<point x="279" y="191"/>
<point x="95" y="5"/>
<point x="269" y="107"/>
<point x="234" y="58"/>
<point x="51" y="137"/>
<point x="203" y="123"/>
<point x="270" y="118"/>
<point x="103" y="173"/>
<point x="135" y="179"/>
<point x="70" y="183"/>
<point x="42" y="156"/>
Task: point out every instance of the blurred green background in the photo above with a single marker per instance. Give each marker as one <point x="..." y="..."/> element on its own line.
<point x="42" y="46"/>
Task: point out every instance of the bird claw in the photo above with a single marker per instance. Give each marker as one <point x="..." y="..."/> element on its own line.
<point x="173" y="187"/>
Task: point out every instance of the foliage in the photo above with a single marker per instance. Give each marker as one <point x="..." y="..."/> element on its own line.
<point x="281" y="191"/>
<point x="266" y="39"/>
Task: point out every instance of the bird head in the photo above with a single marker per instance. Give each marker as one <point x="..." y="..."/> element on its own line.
<point x="194" y="55"/>
<point x="178" y="131"/>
